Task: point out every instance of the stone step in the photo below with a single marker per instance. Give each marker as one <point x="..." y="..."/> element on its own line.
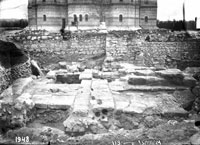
<point x="121" y="86"/>
<point x="177" y="77"/>
<point x="147" y="80"/>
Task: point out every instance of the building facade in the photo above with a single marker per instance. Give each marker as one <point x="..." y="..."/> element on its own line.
<point x="53" y="15"/>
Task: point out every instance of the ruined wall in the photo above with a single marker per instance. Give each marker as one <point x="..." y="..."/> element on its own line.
<point x="52" y="48"/>
<point x="158" y="53"/>
<point x="4" y="78"/>
<point x="159" y="48"/>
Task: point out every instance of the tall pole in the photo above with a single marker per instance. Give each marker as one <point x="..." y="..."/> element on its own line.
<point x="135" y="14"/>
<point x="36" y="16"/>
<point x="184" y="27"/>
<point x="0" y="8"/>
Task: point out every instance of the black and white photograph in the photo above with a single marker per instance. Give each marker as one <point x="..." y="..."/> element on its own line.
<point x="99" y="72"/>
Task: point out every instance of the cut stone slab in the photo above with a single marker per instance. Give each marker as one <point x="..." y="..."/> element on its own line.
<point x="144" y="73"/>
<point x="86" y="75"/>
<point x="81" y="103"/>
<point x="129" y="66"/>
<point x="121" y="86"/>
<point x="189" y="81"/>
<point x="145" y="103"/>
<point x="101" y="95"/>
<point x="68" y="78"/>
<point x="41" y="101"/>
<point x="146" y="80"/>
<point x="140" y="102"/>
<point x="54" y="96"/>
<point x="61" y="101"/>
<point x="109" y="75"/>
<point x="175" y="76"/>
<point x="53" y="101"/>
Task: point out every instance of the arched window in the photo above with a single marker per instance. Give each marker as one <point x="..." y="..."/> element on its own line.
<point x="55" y="1"/>
<point x="120" y="18"/>
<point x="146" y="2"/>
<point x="75" y="18"/>
<point x="80" y="18"/>
<point x="44" y="0"/>
<point x="86" y="17"/>
<point x="146" y="19"/>
<point x="44" y="17"/>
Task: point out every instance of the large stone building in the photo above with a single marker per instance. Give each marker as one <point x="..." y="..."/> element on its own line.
<point x="88" y="14"/>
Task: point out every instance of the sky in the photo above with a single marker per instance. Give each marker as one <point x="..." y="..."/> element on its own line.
<point x="167" y="9"/>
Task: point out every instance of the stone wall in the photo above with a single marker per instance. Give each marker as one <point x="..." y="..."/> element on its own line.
<point x="138" y="51"/>
<point x="5" y="79"/>
<point x="159" y="48"/>
<point x="7" y="76"/>
<point x="50" y="47"/>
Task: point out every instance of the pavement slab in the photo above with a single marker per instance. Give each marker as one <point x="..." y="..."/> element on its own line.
<point x="141" y="103"/>
<point x="81" y="103"/>
<point x="54" y="96"/>
<point x="101" y="95"/>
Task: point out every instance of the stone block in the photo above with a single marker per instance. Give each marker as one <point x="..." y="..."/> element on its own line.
<point x="170" y="73"/>
<point x="174" y="76"/>
<point x="51" y="74"/>
<point x="144" y="73"/>
<point x="63" y="65"/>
<point x="44" y="37"/>
<point x="85" y="76"/>
<point x="189" y="81"/>
<point x="147" y="80"/>
<point x="192" y="70"/>
<point x="69" y="78"/>
<point x="185" y="98"/>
